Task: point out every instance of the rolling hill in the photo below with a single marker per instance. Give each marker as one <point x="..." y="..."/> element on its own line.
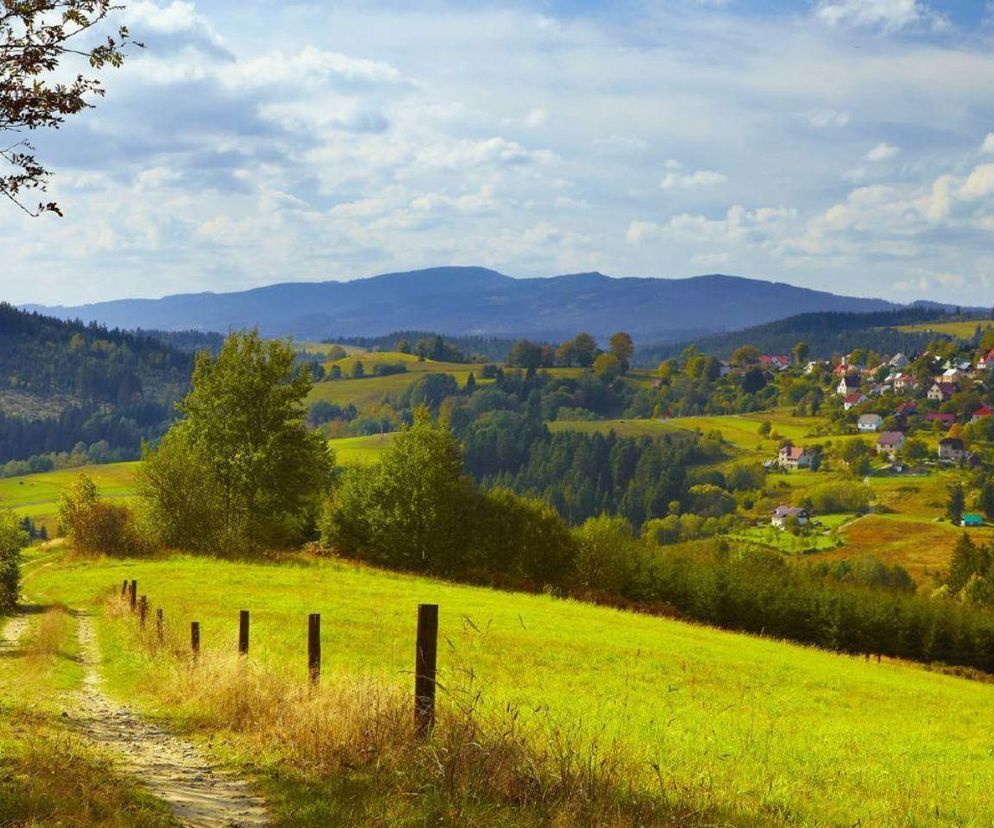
<point x="477" y="301"/>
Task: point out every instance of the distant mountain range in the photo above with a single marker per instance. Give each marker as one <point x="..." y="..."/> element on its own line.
<point x="477" y="301"/>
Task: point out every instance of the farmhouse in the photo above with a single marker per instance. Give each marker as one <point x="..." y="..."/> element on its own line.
<point x="794" y="457"/>
<point x="890" y="443"/>
<point x="942" y="391"/>
<point x="776" y="362"/>
<point x="853" y="400"/>
<point x="905" y="382"/>
<point x="783" y="514"/>
<point x="986" y="362"/>
<point x="900" y="362"/>
<point x="938" y="417"/>
<point x="951" y="449"/>
<point x="870" y="422"/>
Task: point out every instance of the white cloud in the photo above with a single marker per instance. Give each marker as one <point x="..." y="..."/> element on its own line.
<point x="888" y="15"/>
<point x="697" y="180"/>
<point x="987" y="148"/>
<point x="882" y="151"/>
<point x="536" y="118"/>
<point x="826" y="117"/>
<point x="978" y="184"/>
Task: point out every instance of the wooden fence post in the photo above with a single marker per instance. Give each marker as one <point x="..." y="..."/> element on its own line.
<point x="314" y="647"/>
<point x="424" y="669"/>
<point x="124" y="587"/>
<point x="243" y="632"/>
<point x="159" y="625"/>
<point x="195" y="638"/>
<point x="142" y="610"/>
<point x="134" y="595"/>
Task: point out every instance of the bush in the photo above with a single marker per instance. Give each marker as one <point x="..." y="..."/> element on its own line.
<point x="608" y="555"/>
<point x="840" y="496"/>
<point x="12" y="540"/>
<point x="96" y="527"/>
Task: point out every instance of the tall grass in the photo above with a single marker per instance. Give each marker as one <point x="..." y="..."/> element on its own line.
<point x="481" y="761"/>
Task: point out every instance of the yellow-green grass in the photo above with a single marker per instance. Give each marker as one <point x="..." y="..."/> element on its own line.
<point x="360" y="451"/>
<point x="370" y="390"/>
<point x="37" y="495"/>
<point x="960" y="330"/>
<point x="51" y="776"/>
<point x="774" y="733"/>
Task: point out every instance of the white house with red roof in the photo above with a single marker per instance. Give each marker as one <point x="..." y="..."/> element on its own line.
<point x="854" y="400"/>
<point x="986" y="362"/>
<point x="794" y="457"/>
<point x="981" y="413"/>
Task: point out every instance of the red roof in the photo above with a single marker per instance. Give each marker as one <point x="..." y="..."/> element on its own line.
<point x="983" y="411"/>
<point x="941" y="418"/>
<point x="855" y="399"/>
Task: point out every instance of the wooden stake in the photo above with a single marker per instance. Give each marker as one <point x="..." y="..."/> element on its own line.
<point x="424" y="670"/>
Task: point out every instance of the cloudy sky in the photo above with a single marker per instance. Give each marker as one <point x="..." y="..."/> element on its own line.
<point x="838" y="144"/>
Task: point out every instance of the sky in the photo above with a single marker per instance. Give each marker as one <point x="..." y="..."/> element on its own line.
<point x="845" y="145"/>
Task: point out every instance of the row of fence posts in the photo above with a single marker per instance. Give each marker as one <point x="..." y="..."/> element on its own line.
<point x="425" y="659"/>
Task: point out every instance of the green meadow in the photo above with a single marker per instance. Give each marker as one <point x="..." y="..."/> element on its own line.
<point x="758" y="731"/>
<point x="37" y="495"/>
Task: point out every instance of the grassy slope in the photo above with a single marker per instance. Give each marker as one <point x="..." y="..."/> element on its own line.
<point x="37" y="495"/>
<point x="780" y="733"/>
<point x="961" y="330"/>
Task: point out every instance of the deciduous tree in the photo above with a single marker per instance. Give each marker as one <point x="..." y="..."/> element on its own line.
<point x="37" y="39"/>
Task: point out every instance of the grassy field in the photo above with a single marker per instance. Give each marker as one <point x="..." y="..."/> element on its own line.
<point x="960" y="330"/>
<point x="760" y="732"/>
<point x="37" y="495"/>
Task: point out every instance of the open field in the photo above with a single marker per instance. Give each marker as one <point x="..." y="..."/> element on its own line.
<point x="765" y="732"/>
<point x="960" y="330"/>
<point x="37" y="495"/>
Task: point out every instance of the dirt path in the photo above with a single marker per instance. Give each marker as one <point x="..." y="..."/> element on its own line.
<point x="13" y="631"/>
<point x="172" y="768"/>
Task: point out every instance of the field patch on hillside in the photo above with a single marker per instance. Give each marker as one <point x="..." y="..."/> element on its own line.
<point x="729" y="720"/>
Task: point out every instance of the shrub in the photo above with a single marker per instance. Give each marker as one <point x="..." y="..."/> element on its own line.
<point x="841" y="496"/>
<point x="608" y="554"/>
<point x="12" y="540"/>
<point x="96" y="527"/>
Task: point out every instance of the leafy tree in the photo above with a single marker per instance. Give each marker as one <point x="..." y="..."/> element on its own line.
<point x="358" y="370"/>
<point x="956" y="504"/>
<point x="801" y="352"/>
<point x="93" y="526"/>
<point x="12" y="540"/>
<point x="584" y="349"/>
<point x="608" y="367"/>
<point x="525" y="354"/>
<point x="255" y="474"/>
<point x="622" y="347"/>
<point x="986" y="500"/>
<point x="754" y="381"/>
<point x="410" y="511"/>
<point x="745" y="356"/>
<point x="36" y="39"/>
<point x="403" y="346"/>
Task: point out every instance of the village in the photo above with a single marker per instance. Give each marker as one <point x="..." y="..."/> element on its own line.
<point x="916" y="414"/>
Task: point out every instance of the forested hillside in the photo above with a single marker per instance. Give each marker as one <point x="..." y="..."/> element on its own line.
<point x="826" y="333"/>
<point x="81" y="391"/>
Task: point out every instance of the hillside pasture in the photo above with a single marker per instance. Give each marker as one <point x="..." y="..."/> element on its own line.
<point x="37" y="495"/>
<point x="960" y="330"/>
<point x="750" y="731"/>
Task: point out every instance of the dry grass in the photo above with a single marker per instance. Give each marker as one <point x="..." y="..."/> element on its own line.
<point x="480" y="762"/>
